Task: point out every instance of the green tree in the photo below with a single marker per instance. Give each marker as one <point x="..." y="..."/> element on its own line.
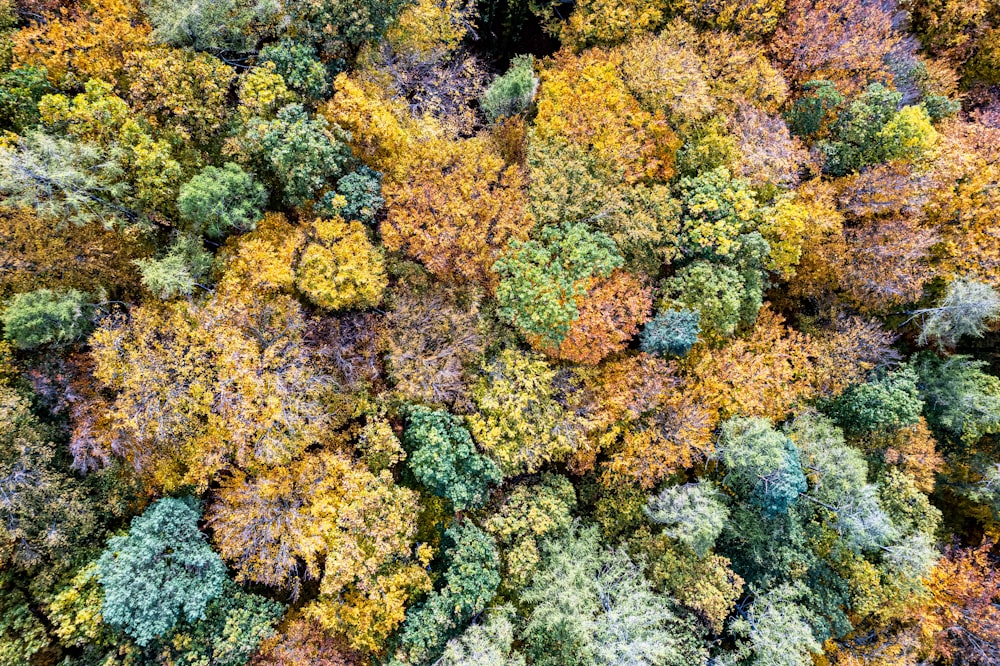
<point x="358" y="197"/>
<point x="225" y="25"/>
<point x="761" y="464"/>
<point x="64" y="181"/>
<point x="296" y="63"/>
<point x="471" y="578"/>
<point x="671" y="332"/>
<point x="814" y="110"/>
<point x="340" y="27"/>
<point x="444" y="458"/>
<point x="217" y="201"/>
<point x="46" y="516"/>
<point x="488" y="643"/>
<point x="694" y="514"/>
<point x="871" y="130"/>
<point x="716" y="210"/>
<point x="234" y="625"/>
<point x="714" y="291"/>
<point x="20" y="91"/>
<point x="961" y="400"/>
<point x="513" y="92"/>
<point x="44" y="316"/>
<point x="299" y="154"/>
<point x="161" y="571"/>
<point x="777" y="628"/>
<point x="184" y="266"/>
<point x="884" y="404"/>
<point x="541" y="280"/>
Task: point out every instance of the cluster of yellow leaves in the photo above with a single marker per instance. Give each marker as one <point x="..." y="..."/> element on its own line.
<point x="382" y="132"/>
<point x="456" y="209"/>
<point x="262" y="92"/>
<point x="204" y="388"/>
<point x="667" y="74"/>
<point x="93" y="42"/>
<point x="765" y="374"/>
<point x="595" y="22"/>
<point x="264" y="260"/>
<point x="966" y="208"/>
<point x="350" y="528"/>
<point x="184" y="91"/>
<point x="583" y="100"/>
<point x="340" y="268"/>
<point x="429" y="27"/>
<point x="518" y="420"/>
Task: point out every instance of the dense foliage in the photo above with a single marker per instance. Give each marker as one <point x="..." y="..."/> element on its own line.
<point x="499" y="333"/>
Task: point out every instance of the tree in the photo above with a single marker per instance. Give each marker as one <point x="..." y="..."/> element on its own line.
<point x="457" y="209"/>
<point x="513" y="92"/>
<point x="761" y="464"/>
<point x="471" y="578"/>
<point x="717" y="210"/>
<point x="327" y="517"/>
<point x="340" y="268"/>
<point x="518" y="422"/>
<point x="44" y="317"/>
<point x="184" y="266"/>
<point x="297" y="65"/>
<point x="871" y="131"/>
<point x="91" y="44"/>
<point x="181" y="91"/>
<point x="960" y="399"/>
<point x="693" y="513"/>
<point x="444" y="458"/>
<point x="488" y="643"/>
<point x="777" y="629"/>
<point x="812" y="112"/>
<point x="965" y="587"/>
<point x="296" y="153"/>
<point x="885" y="404"/>
<point x="610" y="314"/>
<point x="532" y="512"/>
<point x="671" y="332"/>
<point x="430" y="340"/>
<point x="64" y="181"/>
<point x="541" y="280"/>
<point x="235" y="624"/>
<point x="218" y="201"/>
<point x="226" y="384"/>
<point x="339" y="28"/>
<point x="967" y="308"/>
<point x="221" y="26"/>
<point x="583" y="101"/>
<point x="358" y="196"/>
<point x="162" y="571"/>
<point x="592" y="606"/>
<point x="20" y="91"/>
<point x="46" y="515"/>
<point x="714" y="291"/>
<point x="844" y="42"/>
<point x="304" y="642"/>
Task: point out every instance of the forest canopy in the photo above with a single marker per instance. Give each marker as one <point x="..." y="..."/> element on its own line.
<point x="499" y="333"/>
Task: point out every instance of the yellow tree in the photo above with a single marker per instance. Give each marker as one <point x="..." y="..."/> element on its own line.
<point x="456" y="209"/>
<point x="324" y="516"/>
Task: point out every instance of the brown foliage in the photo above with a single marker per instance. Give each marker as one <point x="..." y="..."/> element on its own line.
<point x="429" y="340"/>
<point x="302" y="643"/>
<point x="844" y="41"/>
<point x="610" y="315"/>
<point x="456" y="210"/>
